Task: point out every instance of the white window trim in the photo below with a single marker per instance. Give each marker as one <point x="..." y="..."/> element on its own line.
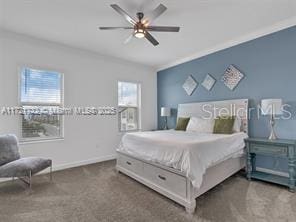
<point x="20" y="104"/>
<point x="139" y="107"/>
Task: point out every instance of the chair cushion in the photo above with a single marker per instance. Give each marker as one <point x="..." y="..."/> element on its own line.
<point x="23" y="166"/>
<point x="9" y="150"/>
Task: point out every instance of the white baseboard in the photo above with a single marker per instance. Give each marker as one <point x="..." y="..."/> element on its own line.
<point x="73" y="164"/>
<point x="83" y="162"/>
<point x="278" y="173"/>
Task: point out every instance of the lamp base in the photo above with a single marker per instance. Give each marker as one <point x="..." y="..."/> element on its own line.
<point x="272" y="132"/>
<point x="165" y="127"/>
<point x="272" y="135"/>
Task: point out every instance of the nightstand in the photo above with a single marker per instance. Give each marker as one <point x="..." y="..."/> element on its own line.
<point x="274" y="148"/>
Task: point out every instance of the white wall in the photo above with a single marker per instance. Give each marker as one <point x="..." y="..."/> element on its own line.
<point x="90" y="80"/>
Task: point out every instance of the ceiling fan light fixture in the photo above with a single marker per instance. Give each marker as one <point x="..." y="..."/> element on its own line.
<point x="141" y="26"/>
<point x="139" y="33"/>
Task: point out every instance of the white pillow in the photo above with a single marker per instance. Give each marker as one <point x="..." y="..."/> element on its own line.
<point x="237" y="124"/>
<point x="200" y="125"/>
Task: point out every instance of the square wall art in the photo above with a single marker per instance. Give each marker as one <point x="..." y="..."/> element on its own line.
<point x="232" y="77"/>
<point x="208" y="82"/>
<point x="190" y="85"/>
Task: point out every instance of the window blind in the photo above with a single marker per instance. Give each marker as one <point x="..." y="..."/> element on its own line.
<point x="41" y="95"/>
<point x="128" y="104"/>
<point x="127" y="94"/>
<point x="40" y="87"/>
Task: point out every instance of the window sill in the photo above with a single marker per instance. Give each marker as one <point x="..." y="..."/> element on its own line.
<point x="25" y="142"/>
<point x="129" y="131"/>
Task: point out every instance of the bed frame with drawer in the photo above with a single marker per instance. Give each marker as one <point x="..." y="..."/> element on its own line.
<point x="173" y="183"/>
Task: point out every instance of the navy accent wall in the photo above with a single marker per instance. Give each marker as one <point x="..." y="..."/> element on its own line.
<point x="269" y="65"/>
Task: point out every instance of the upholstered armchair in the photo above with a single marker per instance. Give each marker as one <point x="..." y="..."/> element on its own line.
<point x="12" y="165"/>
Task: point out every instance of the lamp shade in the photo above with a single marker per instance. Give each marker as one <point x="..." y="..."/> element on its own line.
<point x="271" y="107"/>
<point x="165" y="111"/>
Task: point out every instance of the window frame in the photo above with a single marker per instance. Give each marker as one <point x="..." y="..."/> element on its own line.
<point x="138" y="107"/>
<point x="20" y="104"/>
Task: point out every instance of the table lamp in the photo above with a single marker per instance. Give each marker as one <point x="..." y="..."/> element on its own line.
<point x="165" y="112"/>
<point x="271" y="107"/>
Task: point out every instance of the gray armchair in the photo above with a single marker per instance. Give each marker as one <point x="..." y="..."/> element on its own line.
<point x="12" y="165"/>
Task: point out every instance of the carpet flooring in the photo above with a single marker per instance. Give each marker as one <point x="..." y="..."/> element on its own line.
<point x="98" y="193"/>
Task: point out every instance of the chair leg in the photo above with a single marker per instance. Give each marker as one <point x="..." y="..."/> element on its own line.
<point x="50" y="174"/>
<point x="27" y="179"/>
<point x="30" y="179"/>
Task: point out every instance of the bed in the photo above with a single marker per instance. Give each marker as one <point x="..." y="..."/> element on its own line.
<point x="184" y="165"/>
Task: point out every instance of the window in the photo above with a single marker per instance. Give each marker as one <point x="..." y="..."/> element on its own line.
<point x="41" y="96"/>
<point x="129" y="106"/>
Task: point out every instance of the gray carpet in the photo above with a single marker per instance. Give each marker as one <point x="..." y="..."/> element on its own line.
<point x="97" y="193"/>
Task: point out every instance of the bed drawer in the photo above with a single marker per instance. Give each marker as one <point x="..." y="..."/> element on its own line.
<point x="130" y="164"/>
<point x="170" y="181"/>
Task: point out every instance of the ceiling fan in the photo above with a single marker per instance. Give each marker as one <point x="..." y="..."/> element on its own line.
<point x="141" y="27"/>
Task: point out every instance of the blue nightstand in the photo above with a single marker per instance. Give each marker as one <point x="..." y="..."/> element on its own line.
<point x="274" y="148"/>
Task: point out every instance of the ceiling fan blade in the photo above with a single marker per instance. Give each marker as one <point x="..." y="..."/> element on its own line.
<point x="154" y="14"/>
<point x="163" y="29"/>
<point x="114" y="28"/>
<point x="151" y="39"/>
<point x="124" y="14"/>
<point x="128" y="39"/>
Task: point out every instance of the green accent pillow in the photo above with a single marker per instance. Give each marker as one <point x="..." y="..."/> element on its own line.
<point x="224" y="125"/>
<point x="182" y="123"/>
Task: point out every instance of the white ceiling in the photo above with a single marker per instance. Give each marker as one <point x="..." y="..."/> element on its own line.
<point x="206" y="25"/>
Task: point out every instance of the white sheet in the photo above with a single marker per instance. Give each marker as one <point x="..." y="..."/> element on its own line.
<point x="191" y="153"/>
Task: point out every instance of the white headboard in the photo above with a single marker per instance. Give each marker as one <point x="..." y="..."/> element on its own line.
<point x="212" y="109"/>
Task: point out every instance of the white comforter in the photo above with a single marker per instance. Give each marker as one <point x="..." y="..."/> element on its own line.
<point x="189" y="152"/>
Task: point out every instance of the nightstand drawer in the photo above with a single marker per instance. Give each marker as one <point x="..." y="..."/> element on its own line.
<point x="269" y="150"/>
